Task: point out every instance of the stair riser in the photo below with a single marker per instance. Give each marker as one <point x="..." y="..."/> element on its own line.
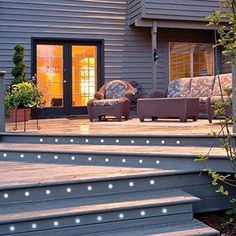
<point x="164" y="161"/>
<point x="197" y="140"/>
<point x="174" y="213"/>
<point x="99" y="188"/>
<point x="104" y="229"/>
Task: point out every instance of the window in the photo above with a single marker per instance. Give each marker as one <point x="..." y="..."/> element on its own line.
<point x="191" y="59"/>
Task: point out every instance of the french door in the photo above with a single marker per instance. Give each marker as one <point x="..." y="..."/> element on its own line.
<point x="68" y="73"/>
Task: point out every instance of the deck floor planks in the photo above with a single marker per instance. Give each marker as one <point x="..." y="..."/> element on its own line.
<point x="132" y="126"/>
<point x="114" y="149"/>
<point x="20" y="173"/>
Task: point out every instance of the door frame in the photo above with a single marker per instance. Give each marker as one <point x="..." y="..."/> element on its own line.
<point x="67" y="110"/>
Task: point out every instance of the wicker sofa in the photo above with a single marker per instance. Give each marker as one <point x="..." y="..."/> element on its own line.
<point x="206" y="88"/>
<point x="112" y="99"/>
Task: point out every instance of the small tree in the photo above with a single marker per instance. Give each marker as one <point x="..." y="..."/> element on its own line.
<point x="224" y="22"/>
<point x="18" y="71"/>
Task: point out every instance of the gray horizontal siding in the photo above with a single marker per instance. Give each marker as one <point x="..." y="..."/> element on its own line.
<point x="134" y="10"/>
<point x="127" y="50"/>
<point x="193" y="10"/>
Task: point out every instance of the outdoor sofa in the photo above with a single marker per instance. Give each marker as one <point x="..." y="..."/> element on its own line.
<point x="112" y="99"/>
<point x="205" y="88"/>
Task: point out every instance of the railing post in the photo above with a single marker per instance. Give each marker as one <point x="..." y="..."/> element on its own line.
<point x="234" y="98"/>
<point x="2" y="107"/>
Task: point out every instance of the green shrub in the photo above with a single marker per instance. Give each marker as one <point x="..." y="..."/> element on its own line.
<point x="23" y="95"/>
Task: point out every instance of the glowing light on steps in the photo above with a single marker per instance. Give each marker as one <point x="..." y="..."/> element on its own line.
<point x="48" y="192"/>
<point x="77" y="221"/>
<point x="56" y="223"/>
<point x="142" y="213"/>
<point x="34" y="226"/>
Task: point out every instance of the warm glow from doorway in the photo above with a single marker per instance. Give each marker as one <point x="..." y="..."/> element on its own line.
<point x="50" y="74"/>
<point x="83" y="74"/>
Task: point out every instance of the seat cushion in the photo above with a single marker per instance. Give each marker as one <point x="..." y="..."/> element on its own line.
<point x="202" y="86"/>
<point x="215" y="99"/>
<point x="225" y="80"/>
<point x="115" y="89"/>
<point x="105" y="102"/>
<point x="179" y="88"/>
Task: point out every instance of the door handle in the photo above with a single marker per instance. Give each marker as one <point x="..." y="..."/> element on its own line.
<point x="34" y="78"/>
<point x="64" y="81"/>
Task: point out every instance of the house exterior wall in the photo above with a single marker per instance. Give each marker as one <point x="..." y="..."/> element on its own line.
<point x="194" y="11"/>
<point x="191" y="10"/>
<point x="128" y="53"/>
<point x="134" y="10"/>
<point x="127" y="50"/>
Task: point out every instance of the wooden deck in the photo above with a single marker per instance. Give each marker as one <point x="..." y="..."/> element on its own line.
<point x="76" y="177"/>
<point x="79" y="126"/>
<point x="21" y="173"/>
<point x="139" y="150"/>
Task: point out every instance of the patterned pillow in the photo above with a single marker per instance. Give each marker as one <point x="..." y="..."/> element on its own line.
<point x="179" y="88"/>
<point x="225" y="82"/>
<point x="202" y="86"/>
<point x="115" y="89"/>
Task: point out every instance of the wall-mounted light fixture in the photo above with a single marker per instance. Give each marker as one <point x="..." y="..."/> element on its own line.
<point x="155" y="55"/>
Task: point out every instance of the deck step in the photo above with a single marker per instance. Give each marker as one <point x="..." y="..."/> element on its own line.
<point x="124" y="156"/>
<point x="159" y="206"/>
<point x="203" y="140"/>
<point x="41" y="182"/>
<point x="186" y="228"/>
<point x="191" y="228"/>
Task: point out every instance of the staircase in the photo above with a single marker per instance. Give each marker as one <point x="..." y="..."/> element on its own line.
<point x="85" y="185"/>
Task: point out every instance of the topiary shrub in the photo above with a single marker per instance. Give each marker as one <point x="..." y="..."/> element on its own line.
<point x="18" y="71"/>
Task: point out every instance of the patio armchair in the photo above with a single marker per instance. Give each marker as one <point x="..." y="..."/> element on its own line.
<point x="112" y="99"/>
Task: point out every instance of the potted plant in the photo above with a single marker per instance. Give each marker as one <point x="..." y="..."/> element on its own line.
<point x="19" y="100"/>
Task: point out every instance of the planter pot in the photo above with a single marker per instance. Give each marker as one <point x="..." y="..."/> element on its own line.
<point x="23" y="114"/>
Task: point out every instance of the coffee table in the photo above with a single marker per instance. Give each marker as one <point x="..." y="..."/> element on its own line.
<point x="154" y="108"/>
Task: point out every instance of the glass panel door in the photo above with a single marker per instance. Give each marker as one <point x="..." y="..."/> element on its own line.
<point x="67" y="74"/>
<point x="50" y="74"/>
<point x="84" y="74"/>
